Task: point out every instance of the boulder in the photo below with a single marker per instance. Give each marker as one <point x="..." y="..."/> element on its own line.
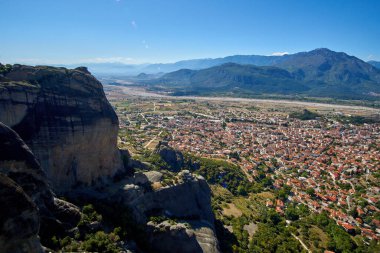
<point x="176" y="238"/>
<point x="153" y="176"/>
<point x="187" y="200"/>
<point x="172" y="157"/>
<point x="189" y="237"/>
<point x="140" y="178"/>
<point x="149" y="177"/>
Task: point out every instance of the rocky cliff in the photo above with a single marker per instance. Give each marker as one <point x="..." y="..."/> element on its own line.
<point x="190" y="199"/>
<point x="18" y="162"/>
<point x="26" y="198"/>
<point x="186" y="204"/>
<point x="71" y="129"/>
<point x="19" y="219"/>
<point x="172" y="157"/>
<point x="182" y="237"/>
<point x="66" y="120"/>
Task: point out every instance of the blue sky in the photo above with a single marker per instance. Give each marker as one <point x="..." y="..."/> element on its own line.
<point x="138" y="31"/>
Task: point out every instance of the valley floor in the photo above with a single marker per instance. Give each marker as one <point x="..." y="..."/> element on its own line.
<point x="142" y="92"/>
<point x="314" y="165"/>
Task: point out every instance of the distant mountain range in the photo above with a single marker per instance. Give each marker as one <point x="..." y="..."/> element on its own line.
<point x="232" y="76"/>
<point x="375" y="63"/>
<point x="121" y="69"/>
<point x="258" y="60"/>
<point x="318" y="73"/>
<point x="135" y="69"/>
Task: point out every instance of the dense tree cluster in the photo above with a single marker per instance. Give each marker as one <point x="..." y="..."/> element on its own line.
<point x="220" y="172"/>
<point x="338" y="240"/>
<point x="305" y="115"/>
<point x="89" y="236"/>
<point x="5" y="68"/>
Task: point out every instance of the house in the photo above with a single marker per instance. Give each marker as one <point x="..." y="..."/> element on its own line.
<point x="349" y="228"/>
<point x="269" y="203"/>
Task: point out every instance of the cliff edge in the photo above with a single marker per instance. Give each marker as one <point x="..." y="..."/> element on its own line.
<point x="66" y="120"/>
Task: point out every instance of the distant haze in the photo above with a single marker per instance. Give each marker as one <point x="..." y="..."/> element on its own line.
<point x="120" y="69"/>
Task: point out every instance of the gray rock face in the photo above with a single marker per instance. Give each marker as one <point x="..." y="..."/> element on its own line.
<point x="71" y="129"/>
<point x="171" y="156"/>
<point x="19" y="219"/>
<point x="188" y="201"/>
<point x="205" y="236"/>
<point x="190" y="237"/>
<point x="165" y="237"/>
<point x="18" y="163"/>
<point x="149" y="177"/>
<point x="65" y="118"/>
<point x="153" y="176"/>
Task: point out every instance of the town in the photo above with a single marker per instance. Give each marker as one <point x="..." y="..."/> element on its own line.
<point x="329" y="163"/>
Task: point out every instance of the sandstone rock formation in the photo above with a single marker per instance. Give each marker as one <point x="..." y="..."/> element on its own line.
<point x="149" y="177"/>
<point x="17" y="163"/>
<point x="71" y="129"/>
<point x="19" y="219"/>
<point x="189" y="237"/>
<point x="66" y="120"/>
<point x="188" y="201"/>
<point x="172" y="157"/>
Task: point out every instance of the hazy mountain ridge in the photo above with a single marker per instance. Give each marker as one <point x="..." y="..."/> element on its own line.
<point x="320" y="72"/>
<point x="330" y="67"/>
<point x="374" y="63"/>
<point x="234" y="76"/>
<point x="196" y="64"/>
<point x="122" y="69"/>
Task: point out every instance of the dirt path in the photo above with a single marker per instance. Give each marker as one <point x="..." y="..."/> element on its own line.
<point x="302" y="243"/>
<point x="152" y="140"/>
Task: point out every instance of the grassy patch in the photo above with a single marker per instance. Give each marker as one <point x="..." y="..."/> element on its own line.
<point x="231" y="210"/>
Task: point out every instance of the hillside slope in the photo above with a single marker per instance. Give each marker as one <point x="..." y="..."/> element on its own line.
<point x="330" y="67"/>
<point x="233" y="76"/>
<point x="376" y="64"/>
<point x="318" y="73"/>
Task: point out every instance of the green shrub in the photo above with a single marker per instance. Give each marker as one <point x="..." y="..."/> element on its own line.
<point x="225" y="174"/>
<point x="89" y="215"/>
<point x="101" y="242"/>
